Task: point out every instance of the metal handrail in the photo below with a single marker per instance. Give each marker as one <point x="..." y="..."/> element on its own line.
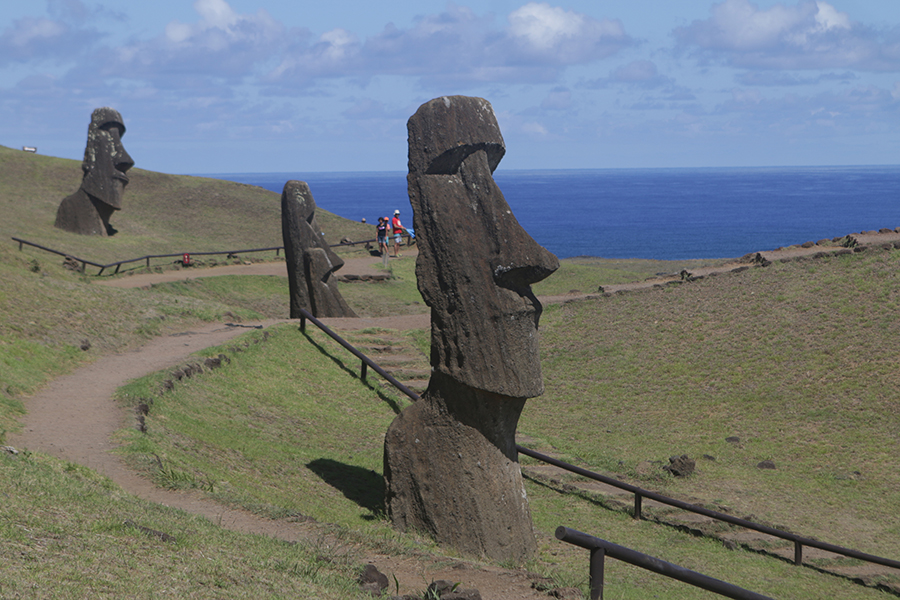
<point x="118" y="264"/>
<point x="366" y="361"/>
<point x="639" y="493"/>
<point x="147" y="258"/>
<point x="600" y="548"/>
<point x="82" y="261"/>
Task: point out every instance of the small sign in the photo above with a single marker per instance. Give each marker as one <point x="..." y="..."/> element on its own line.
<point x="186" y="259"/>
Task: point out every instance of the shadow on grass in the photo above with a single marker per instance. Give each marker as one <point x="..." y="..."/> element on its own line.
<point x="362" y="486"/>
<point x="354" y="373"/>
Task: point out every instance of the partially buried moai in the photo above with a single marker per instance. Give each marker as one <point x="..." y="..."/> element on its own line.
<point x="105" y="165"/>
<point x="450" y="460"/>
<point x="311" y="263"/>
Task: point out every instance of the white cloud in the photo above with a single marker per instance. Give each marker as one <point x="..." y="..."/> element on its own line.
<point x="40" y="38"/>
<point x="221" y="43"/>
<point x="459" y="48"/>
<point x="216" y="13"/>
<point x="808" y="35"/>
<point x="557" y="35"/>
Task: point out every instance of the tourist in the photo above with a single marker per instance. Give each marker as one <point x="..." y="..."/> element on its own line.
<point x="381" y="230"/>
<point x="397" y="227"/>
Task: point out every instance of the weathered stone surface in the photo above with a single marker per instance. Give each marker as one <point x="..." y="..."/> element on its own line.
<point x="476" y="264"/>
<point x="105" y="165"/>
<point x="450" y="460"/>
<point x="372" y="580"/>
<point x="310" y="262"/>
<point x="452" y="471"/>
<point x="681" y="466"/>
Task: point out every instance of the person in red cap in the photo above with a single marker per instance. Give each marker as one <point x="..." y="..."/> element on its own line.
<point x="398" y="229"/>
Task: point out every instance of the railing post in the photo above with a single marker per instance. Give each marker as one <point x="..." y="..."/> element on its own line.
<point x="20" y="245"/>
<point x="598" y="556"/>
<point x="363" y="370"/>
<point x="303" y="323"/>
<point x="148" y="262"/>
<point x="638" y="500"/>
<point x="798" y="553"/>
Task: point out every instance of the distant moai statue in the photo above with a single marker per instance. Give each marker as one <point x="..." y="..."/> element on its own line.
<point x="450" y="460"/>
<point x="105" y="165"/>
<point x="311" y="263"/>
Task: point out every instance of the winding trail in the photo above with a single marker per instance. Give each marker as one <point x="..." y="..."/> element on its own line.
<point x="75" y="417"/>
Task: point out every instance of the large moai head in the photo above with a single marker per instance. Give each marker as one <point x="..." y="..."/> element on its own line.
<point x="106" y="161"/>
<point x="476" y="264"/>
<point x="311" y="262"/>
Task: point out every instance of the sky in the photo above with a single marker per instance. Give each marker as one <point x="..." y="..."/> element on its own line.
<point x="244" y="86"/>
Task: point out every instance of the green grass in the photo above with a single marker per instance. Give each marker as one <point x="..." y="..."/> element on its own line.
<point x="270" y="443"/>
<point x="638" y="378"/>
<point x="586" y="274"/>
<point x="161" y="214"/>
<point x="798" y="360"/>
<point x="68" y="533"/>
<point x="239" y="453"/>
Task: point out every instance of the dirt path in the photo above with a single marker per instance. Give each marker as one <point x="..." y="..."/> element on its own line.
<point x="75" y="417"/>
<point x="352" y="266"/>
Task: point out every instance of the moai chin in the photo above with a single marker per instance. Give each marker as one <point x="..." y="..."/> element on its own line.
<point x="311" y="263"/>
<point x="450" y="460"/>
<point x="105" y="165"/>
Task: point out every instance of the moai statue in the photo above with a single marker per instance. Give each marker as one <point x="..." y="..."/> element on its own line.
<point x="310" y="262"/>
<point x="105" y="165"/>
<point x="450" y="460"/>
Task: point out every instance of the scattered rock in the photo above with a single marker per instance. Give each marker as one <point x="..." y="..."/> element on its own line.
<point x="71" y="264"/>
<point x="680" y="466"/>
<point x="807" y="244"/>
<point x="733" y="439"/>
<point x="9" y="450"/>
<point x="372" y="580"/>
<point x="445" y="591"/>
<point x="766" y="464"/>
<point x="85" y="345"/>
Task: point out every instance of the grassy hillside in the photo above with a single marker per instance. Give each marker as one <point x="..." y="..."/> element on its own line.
<point x="161" y="214"/>
<point x="798" y="360"/>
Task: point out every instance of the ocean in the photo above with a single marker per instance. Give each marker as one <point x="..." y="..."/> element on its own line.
<point x="671" y="214"/>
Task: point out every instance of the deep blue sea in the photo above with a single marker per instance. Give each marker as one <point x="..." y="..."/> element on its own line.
<point x="647" y="213"/>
